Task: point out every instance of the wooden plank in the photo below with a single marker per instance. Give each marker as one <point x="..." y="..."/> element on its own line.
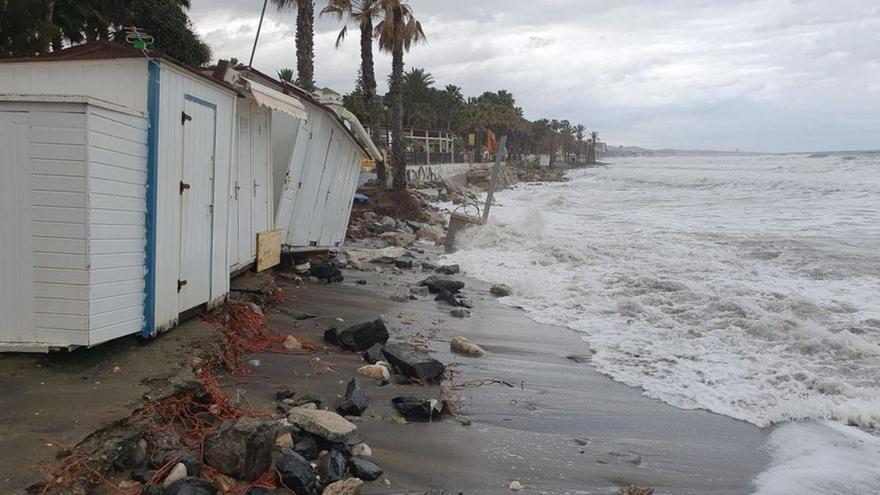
<point x="269" y="248"/>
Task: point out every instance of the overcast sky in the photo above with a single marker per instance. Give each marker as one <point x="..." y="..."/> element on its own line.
<point x="764" y="75"/>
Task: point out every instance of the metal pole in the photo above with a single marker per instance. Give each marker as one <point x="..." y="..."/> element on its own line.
<point x="259" y="27"/>
<point x="502" y="151"/>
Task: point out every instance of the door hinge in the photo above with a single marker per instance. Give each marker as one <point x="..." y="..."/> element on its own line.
<point x="183" y="186"/>
<point x="180" y="284"/>
<point x="184" y="117"/>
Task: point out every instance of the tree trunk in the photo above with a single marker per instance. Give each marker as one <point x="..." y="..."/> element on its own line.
<point x="398" y="158"/>
<point x="305" y="44"/>
<point x="368" y="79"/>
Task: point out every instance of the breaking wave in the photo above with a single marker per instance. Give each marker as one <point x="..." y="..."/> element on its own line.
<point x="746" y="286"/>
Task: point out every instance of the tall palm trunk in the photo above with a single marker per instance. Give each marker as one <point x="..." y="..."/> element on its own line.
<point x="398" y="159"/>
<point x="368" y="78"/>
<point x="305" y="44"/>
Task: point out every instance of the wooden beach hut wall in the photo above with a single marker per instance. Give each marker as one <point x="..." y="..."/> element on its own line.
<point x="121" y="165"/>
<point x="251" y="181"/>
<point x="316" y="166"/>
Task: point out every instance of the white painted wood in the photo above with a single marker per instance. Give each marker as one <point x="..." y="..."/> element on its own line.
<point x="16" y="272"/>
<point x="197" y="204"/>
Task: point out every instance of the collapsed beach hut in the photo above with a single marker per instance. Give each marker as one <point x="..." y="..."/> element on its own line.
<point x="114" y="195"/>
<point x="316" y="163"/>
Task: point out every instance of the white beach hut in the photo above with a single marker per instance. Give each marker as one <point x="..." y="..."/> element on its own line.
<point x="114" y="195"/>
<point x="316" y="166"/>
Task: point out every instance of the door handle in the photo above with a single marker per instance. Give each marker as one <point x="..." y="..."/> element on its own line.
<point x="183" y="186"/>
<point x="237" y="187"/>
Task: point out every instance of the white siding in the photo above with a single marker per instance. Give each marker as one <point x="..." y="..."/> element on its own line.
<point x="120" y="81"/>
<point x="116" y="231"/>
<point x="175" y="85"/>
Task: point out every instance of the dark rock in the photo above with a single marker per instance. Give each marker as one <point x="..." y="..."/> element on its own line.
<point x="413" y="362"/>
<point x="364" y="469"/>
<point x="287" y="393"/>
<point x="325" y="271"/>
<point x="436" y="283"/>
<point x="460" y="313"/>
<point x="242" y="448"/>
<point x="193" y="466"/>
<point x="191" y="486"/>
<point x="361" y="282"/>
<point x="305" y="444"/>
<point x="403" y="264"/>
<point x="452" y="299"/>
<point x="355" y="401"/>
<point x="374" y="353"/>
<point x="305" y="399"/>
<point x="448" y="269"/>
<point x="132" y="454"/>
<point x="500" y="290"/>
<point x="143" y="475"/>
<point x="296" y="473"/>
<point x="578" y="358"/>
<point x="331" y="336"/>
<point x="416" y="409"/>
<point x="331" y="467"/>
<point x="362" y="336"/>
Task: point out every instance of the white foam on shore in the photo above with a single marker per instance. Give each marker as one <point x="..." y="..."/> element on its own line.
<point x="743" y="285"/>
<point x="821" y="459"/>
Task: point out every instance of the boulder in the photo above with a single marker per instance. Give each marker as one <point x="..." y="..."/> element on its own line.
<point x="304" y="444"/>
<point x="325" y="271"/>
<point x="416" y="409"/>
<point x="191" y="486"/>
<point x="331" y="467"/>
<point x="463" y="345"/>
<point x="291" y="343"/>
<point x="374" y="353"/>
<point x="375" y="371"/>
<point x="403" y="264"/>
<point x="354" y="403"/>
<point x="436" y="283"/>
<point x="361" y="450"/>
<point x="460" y="313"/>
<point x="500" y="290"/>
<point x="296" y="473"/>
<point x="362" y="336"/>
<point x="331" y="336"/>
<point x="413" y="362"/>
<point x="322" y="423"/>
<point x="401" y="239"/>
<point x="351" y="486"/>
<point x="242" y="448"/>
<point x="448" y="269"/>
<point x="364" y="469"/>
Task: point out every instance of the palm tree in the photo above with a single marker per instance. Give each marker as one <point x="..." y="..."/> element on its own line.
<point x="286" y="75"/>
<point x="397" y="33"/>
<point x="305" y="40"/>
<point x="364" y="13"/>
<point x="591" y="147"/>
<point x="579" y="131"/>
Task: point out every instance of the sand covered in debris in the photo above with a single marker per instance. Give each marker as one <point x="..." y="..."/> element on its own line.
<point x="560" y="428"/>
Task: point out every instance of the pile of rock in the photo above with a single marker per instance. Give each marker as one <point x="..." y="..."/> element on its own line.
<point x="399" y="232"/>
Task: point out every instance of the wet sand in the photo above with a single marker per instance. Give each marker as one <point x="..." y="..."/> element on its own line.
<point x="563" y="428"/>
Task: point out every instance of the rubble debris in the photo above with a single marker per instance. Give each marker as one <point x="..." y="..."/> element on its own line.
<point x="460" y="313"/>
<point x="177" y="473"/>
<point x="361" y="450"/>
<point x="364" y="469"/>
<point x="354" y="403"/>
<point x="132" y="454"/>
<point x="418" y="291"/>
<point x="326" y="272"/>
<point x="636" y="490"/>
<point x="322" y="423"/>
<point x="452" y="299"/>
<point x="435" y="284"/>
<point x="500" y="290"/>
<point x="296" y="473"/>
<point x="413" y="362"/>
<point x="242" y="448"/>
<point x="515" y="486"/>
<point x="448" y="269"/>
<point x="416" y="409"/>
<point x="404" y="264"/>
<point x="375" y="371"/>
<point x="304" y="444"/>
<point x="351" y="486"/>
<point x="359" y="337"/>
<point x="374" y="354"/>
<point x="463" y="345"/>
<point x="331" y="467"/>
<point x="371" y="255"/>
<point x="291" y="343"/>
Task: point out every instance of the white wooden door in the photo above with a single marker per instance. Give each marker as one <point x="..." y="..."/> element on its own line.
<point x="16" y="252"/>
<point x="292" y="181"/>
<point x="261" y="172"/>
<point x="197" y="203"/>
<point x="243" y="190"/>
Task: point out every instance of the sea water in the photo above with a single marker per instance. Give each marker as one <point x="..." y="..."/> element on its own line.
<point x="747" y="285"/>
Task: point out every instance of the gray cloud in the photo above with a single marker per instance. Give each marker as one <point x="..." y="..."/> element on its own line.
<point x="771" y="75"/>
